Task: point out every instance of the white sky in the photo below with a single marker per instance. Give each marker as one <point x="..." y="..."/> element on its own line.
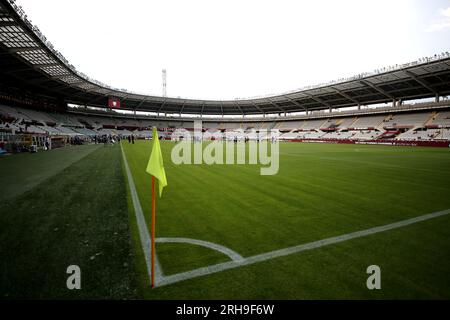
<point x="238" y="48"/>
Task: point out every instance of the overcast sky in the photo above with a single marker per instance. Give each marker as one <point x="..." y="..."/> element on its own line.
<point x="238" y="48"/>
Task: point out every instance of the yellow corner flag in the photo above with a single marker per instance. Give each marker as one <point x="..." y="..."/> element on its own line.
<point x="155" y="165"/>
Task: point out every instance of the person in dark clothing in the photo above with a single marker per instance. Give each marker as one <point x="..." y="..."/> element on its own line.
<point x="132" y="138"/>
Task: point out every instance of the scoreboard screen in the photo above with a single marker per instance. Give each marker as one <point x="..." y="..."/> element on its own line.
<point x="113" y="102"/>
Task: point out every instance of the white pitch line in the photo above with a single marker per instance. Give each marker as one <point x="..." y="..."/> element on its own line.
<point x="296" y="249"/>
<point x="233" y="255"/>
<point x="142" y="226"/>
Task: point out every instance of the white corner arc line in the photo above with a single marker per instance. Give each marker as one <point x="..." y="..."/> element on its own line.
<point x="233" y="255"/>
<point x="142" y="226"/>
<point x="166" y="280"/>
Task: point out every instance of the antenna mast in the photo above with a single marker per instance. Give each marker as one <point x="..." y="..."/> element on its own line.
<point x="164" y="82"/>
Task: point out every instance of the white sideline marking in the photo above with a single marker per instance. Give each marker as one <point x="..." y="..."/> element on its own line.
<point x="142" y="226"/>
<point x="287" y="251"/>
<point x="233" y="255"/>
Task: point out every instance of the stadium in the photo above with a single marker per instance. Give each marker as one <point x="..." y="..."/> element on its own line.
<point x="363" y="180"/>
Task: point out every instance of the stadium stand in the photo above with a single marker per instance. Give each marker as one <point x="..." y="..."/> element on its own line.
<point x="288" y="125"/>
<point x="291" y="135"/>
<point x="366" y="135"/>
<point x="86" y="132"/>
<point x="310" y="134"/>
<point x="338" y="135"/>
<point x="444" y="135"/>
<point x="209" y="125"/>
<point x="313" y="124"/>
<point x="414" y="126"/>
<point x="442" y="119"/>
<point x="369" y="122"/>
<point x="416" y="135"/>
<point x="416" y="120"/>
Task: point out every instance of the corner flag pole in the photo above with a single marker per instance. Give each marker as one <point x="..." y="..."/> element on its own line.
<point x="155" y="168"/>
<point x="153" y="231"/>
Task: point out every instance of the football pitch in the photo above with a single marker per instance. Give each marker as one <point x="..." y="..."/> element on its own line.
<point x="321" y="191"/>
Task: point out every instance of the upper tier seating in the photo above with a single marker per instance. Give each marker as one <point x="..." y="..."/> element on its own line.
<point x="289" y="125"/>
<point x="10" y="112"/>
<point x="65" y="119"/>
<point x="345" y="123"/>
<point x="442" y="119"/>
<point x="86" y="132"/>
<point x="313" y="124"/>
<point x="231" y="125"/>
<point x="366" y="122"/>
<point x="67" y="131"/>
<point x="37" y="116"/>
<point x="251" y="125"/>
<point x="207" y="125"/>
<point x="408" y="120"/>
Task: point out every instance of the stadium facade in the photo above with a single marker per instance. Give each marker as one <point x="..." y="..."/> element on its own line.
<point x="42" y="94"/>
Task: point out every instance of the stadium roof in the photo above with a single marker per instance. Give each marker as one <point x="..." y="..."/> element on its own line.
<point x="29" y="62"/>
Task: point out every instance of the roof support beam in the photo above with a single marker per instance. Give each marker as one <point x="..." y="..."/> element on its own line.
<point x="140" y="103"/>
<point x="276" y="105"/>
<point x="367" y="83"/>
<point x="418" y="80"/>
<point x="162" y="105"/>
<point x="317" y="99"/>
<point x="257" y="107"/>
<point x="239" y="107"/>
<point x="346" y="96"/>
<point x="296" y="103"/>
<point x="182" y="107"/>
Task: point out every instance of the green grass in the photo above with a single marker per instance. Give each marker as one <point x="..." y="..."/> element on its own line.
<point x="319" y="192"/>
<point x="22" y="172"/>
<point x="77" y="216"/>
<point x="65" y="206"/>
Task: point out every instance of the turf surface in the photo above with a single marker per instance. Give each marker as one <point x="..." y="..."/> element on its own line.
<point x="320" y="191"/>
<point x="78" y="216"/>
<point x="22" y="172"/>
<point x="71" y="207"/>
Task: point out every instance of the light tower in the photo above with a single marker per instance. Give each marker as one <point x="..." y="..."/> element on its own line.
<point x="164" y="82"/>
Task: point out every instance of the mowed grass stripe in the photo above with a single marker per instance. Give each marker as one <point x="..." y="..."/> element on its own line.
<point x="414" y="262"/>
<point x="79" y="216"/>
<point x="236" y="263"/>
<point x="21" y="172"/>
<point x="309" y="199"/>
